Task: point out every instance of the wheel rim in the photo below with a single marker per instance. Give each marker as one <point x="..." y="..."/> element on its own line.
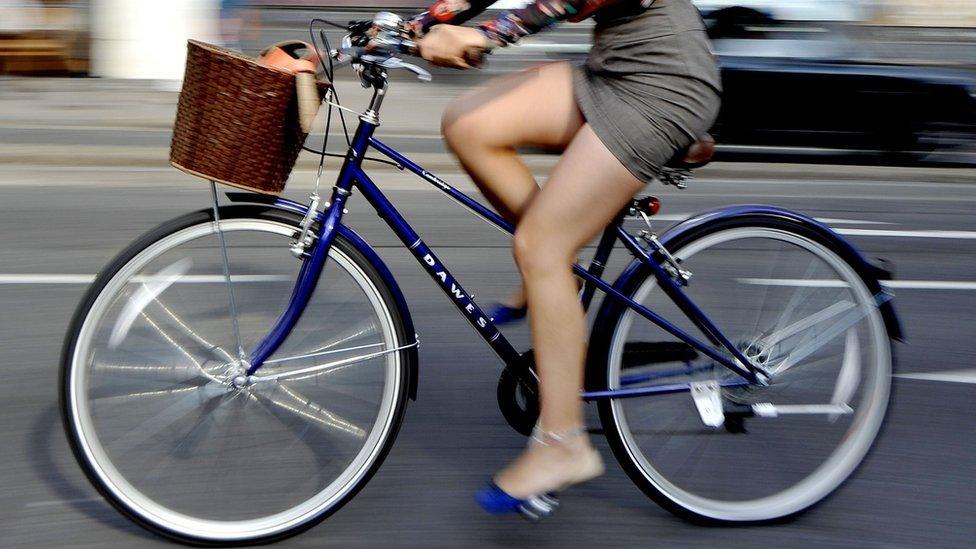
<point x="244" y="427"/>
<point x="817" y="482"/>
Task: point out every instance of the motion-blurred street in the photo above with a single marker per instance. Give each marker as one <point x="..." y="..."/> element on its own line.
<point x="83" y="171"/>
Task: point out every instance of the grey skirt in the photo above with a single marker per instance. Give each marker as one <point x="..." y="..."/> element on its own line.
<point x="650" y="85"/>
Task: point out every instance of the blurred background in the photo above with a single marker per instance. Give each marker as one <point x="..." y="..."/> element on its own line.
<point x="861" y="113"/>
<point x="852" y="81"/>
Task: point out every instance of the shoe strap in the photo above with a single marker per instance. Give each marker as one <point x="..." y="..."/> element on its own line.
<point x="548" y="438"/>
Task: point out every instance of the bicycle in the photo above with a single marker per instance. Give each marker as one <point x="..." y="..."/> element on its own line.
<point x="198" y="422"/>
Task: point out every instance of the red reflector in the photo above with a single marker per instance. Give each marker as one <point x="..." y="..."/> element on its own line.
<point x="654" y="205"/>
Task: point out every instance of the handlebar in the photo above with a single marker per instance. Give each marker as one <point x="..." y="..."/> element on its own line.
<point x="380" y="41"/>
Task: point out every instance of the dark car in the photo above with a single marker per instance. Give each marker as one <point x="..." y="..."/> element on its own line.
<point x="804" y="99"/>
<point x="797" y="90"/>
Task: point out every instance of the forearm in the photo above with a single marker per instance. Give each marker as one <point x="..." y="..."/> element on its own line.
<point x="509" y="27"/>
<point x="451" y="12"/>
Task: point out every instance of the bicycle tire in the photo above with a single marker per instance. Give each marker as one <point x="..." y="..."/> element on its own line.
<point x="229" y="214"/>
<point x="600" y="366"/>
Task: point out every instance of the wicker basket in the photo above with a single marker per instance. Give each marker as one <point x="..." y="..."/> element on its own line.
<point x="237" y="120"/>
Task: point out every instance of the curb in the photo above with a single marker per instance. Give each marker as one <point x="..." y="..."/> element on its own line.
<point x="94" y="157"/>
<point x="158" y="157"/>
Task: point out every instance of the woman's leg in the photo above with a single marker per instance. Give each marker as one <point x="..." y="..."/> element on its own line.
<point x="535" y="107"/>
<point x="586" y="190"/>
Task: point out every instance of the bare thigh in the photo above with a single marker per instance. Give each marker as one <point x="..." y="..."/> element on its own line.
<point x="588" y="187"/>
<point x="533" y="107"/>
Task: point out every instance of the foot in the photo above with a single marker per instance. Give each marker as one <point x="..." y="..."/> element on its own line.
<point x="502" y="313"/>
<point x="512" y="309"/>
<point x="552" y="462"/>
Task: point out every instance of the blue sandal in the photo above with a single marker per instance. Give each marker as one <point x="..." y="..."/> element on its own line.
<point x="501" y="314"/>
<point x="498" y="502"/>
<point x="535" y="508"/>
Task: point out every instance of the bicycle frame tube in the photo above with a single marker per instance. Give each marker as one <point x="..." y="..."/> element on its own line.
<point x="308" y="275"/>
<point x="352" y="174"/>
<point x="435" y="268"/>
<point x="687" y="306"/>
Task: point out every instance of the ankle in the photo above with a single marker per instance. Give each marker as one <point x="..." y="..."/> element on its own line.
<point x="572" y="439"/>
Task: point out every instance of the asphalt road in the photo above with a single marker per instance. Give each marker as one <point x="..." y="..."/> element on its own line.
<point x="916" y="489"/>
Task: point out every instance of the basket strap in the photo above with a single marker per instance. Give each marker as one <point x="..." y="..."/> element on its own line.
<point x="309" y="99"/>
<point x="285" y="55"/>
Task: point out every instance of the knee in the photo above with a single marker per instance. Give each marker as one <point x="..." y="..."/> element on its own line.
<point x="538" y="253"/>
<point x="459" y="126"/>
<point x="522" y="246"/>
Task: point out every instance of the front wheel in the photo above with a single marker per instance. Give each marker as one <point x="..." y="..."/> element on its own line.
<point x="148" y="391"/>
<point x="795" y="306"/>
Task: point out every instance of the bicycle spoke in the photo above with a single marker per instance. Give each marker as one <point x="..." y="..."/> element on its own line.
<point x="144" y="296"/>
<point x="322" y="352"/>
<point x="119" y="394"/>
<point x="327" y="367"/>
<point x="206" y="416"/>
<point x="799" y="297"/>
<point x="167" y="417"/>
<point x="847" y="379"/>
<point x="822" y="338"/>
<point x="766" y="289"/>
<point x="181" y="349"/>
<point x="193" y="334"/>
<point x="343" y="334"/>
<point x="805" y="323"/>
<point x="297" y="404"/>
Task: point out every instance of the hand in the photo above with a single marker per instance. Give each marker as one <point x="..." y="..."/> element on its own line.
<point x="451" y="46"/>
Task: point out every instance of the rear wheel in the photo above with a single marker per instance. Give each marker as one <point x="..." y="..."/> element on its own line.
<point x="796" y="307"/>
<point x="149" y="397"/>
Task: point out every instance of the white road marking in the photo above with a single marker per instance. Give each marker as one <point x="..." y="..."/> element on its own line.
<point x="88" y="279"/>
<point x="929" y="284"/>
<point x="45" y="279"/>
<point x="833" y="221"/>
<point x="826" y="220"/>
<point x="951" y="235"/>
<point x="894" y="284"/>
<point x="86" y="128"/>
<point x="60" y="502"/>
<point x="949" y="376"/>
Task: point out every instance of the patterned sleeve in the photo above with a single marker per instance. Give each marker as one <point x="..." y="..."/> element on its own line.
<point x="510" y="26"/>
<point x="452" y="12"/>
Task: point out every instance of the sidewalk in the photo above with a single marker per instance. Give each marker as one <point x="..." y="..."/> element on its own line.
<point x="126" y="123"/>
<point x="100" y="122"/>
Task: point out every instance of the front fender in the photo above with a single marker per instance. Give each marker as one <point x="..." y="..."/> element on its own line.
<point x="683" y="232"/>
<point x="368" y="252"/>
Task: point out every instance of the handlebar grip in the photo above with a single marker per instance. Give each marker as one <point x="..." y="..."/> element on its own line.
<point x="475" y="56"/>
<point x="410" y="47"/>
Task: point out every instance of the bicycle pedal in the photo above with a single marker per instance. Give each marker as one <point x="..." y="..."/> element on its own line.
<point x="708" y="401"/>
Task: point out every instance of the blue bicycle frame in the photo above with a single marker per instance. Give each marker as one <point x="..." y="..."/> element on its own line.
<point x="722" y="351"/>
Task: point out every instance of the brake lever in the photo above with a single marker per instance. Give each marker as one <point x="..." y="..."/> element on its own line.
<point x="393" y="63"/>
<point x="397" y="63"/>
